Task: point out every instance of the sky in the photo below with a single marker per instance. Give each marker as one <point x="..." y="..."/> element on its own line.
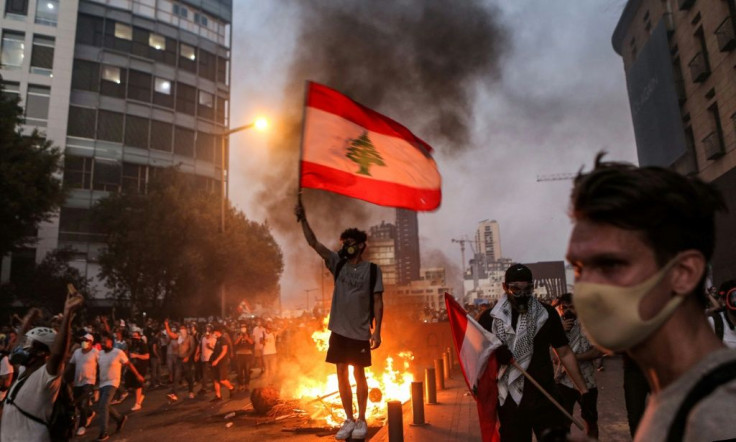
<point x="536" y="86"/>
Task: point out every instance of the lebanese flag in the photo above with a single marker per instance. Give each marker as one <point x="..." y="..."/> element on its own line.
<point x="352" y="150"/>
<point x="475" y="346"/>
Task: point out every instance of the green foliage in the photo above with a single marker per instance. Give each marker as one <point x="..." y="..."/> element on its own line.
<point x="362" y="152"/>
<point x="29" y="191"/>
<point x="45" y="285"/>
<point x="166" y="255"/>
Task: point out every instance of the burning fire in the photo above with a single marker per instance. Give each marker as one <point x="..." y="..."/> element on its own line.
<point x="393" y="383"/>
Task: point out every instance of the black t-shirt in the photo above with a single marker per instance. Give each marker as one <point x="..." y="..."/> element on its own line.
<point x="137" y="346"/>
<point x="218" y="349"/>
<point x="540" y="367"/>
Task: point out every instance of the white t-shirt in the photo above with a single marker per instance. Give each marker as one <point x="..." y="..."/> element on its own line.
<point x="259" y="332"/>
<point x="269" y="343"/>
<point x="111" y="365"/>
<point x="207" y="346"/>
<point x="85" y="366"/>
<point x="36" y="397"/>
<point x="6" y="368"/>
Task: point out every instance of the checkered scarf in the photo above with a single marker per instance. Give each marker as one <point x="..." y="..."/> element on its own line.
<point x="519" y="341"/>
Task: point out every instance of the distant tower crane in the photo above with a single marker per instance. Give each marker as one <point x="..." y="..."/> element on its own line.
<point x="462" y="243"/>
<point x="556" y="177"/>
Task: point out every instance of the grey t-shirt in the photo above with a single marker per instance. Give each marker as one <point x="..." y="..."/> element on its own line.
<point x="350" y="313"/>
<point x="711" y="419"/>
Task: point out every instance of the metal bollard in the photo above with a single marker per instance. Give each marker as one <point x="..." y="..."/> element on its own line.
<point x="417" y="403"/>
<point x="440" y="378"/>
<point x="446" y="365"/>
<point x="395" y="422"/>
<point x="451" y="353"/>
<point x="431" y="385"/>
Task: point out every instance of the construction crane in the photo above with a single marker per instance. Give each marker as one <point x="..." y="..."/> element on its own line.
<point x="556" y="177"/>
<point x="462" y="243"/>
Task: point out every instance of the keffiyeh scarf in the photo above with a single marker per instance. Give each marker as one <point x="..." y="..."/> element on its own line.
<point x="519" y="341"/>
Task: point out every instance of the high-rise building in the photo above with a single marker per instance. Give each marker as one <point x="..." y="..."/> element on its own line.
<point x="488" y="240"/>
<point x="122" y="87"/>
<point x="678" y="60"/>
<point x="381" y="250"/>
<point x="407" y="246"/>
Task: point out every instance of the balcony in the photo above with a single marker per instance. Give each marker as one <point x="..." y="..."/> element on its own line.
<point x="713" y="146"/>
<point x="725" y="35"/>
<point x="699" y="69"/>
<point x="685" y="4"/>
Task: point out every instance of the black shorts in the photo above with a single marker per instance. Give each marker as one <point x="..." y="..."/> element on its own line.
<point x="349" y="351"/>
<point x="221" y="371"/>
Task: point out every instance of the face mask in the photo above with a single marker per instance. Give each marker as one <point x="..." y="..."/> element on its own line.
<point x="348" y="251"/>
<point x="519" y="299"/>
<point x="243" y="330"/>
<point x="20" y="356"/>
<point x="610" y="314"/>
<point x="86" y="345"/>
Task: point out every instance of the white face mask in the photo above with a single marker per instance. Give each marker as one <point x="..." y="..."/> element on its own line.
<point x="610" y="314"/>
<point x="86" y="345"/>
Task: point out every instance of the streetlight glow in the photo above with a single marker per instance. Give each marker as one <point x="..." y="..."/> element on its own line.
<point x="261" y="124"/>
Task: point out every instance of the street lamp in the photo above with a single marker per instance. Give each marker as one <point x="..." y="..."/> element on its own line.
<point x="260" y="124"/>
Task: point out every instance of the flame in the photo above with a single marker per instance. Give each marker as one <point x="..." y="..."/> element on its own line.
<point x="393" y="383"/>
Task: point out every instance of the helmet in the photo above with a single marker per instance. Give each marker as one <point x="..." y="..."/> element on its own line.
<point x="44" y="335"/>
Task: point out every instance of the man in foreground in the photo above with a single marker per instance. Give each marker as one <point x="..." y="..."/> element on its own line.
<point x="640" y="245"/>
<point x="357" y="299"/>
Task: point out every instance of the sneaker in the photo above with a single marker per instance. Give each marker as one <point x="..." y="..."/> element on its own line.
<point x="81" y="431"/>
<point x="216" y="399"/>
<point x="172" y="397"/>
<point x="361" y="428"/>
<point x="191" y="395"/>
<point x="103" y="436"/>
<point x="346" y="430"/>
<point x="119" y="428"/>
<point x="136" y="407"/>
<point x="89" y="419"/>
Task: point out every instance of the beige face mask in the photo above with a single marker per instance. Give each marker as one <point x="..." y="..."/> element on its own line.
<point x="610" y="314"/>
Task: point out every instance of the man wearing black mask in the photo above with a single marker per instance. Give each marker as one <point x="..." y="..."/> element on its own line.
<point x="357" y="299"/>
<point x="527" y="329"/>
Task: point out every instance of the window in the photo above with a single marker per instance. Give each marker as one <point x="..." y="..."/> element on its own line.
<point x="136" y="131"/>
<point x="184" y="142"/>
<point x="134" y="178"/>
<point x="221" y="110"/>
<point x="200" y="19"/>
<point x="207" y="65"/>
<point x="13" y="49"/>
<point x="206" y="106"/>
<point x="187" y="58"/>
<point x="37" y="105"/>
<point x="106" y="176"/>
<point x="86" y="75"/>
<point x="181" y="11"/>
<point x="161" y="135"/>
<point x="139" y="45"/>
<point x="163" y="94"/>
<point x="222" y="69"/>
<point x="110" y="126"/>
<point x="11" y="90"/>
<point x="81" y="122"/>
<point x="205" y="147"/>
<point x="163" y="86"/>
<point x="139" y="86"/>
<point x="185" y="98"/>
<point x="77" y="172"/>
<point x="42" y="55"/>
<point x="47" y="12"/>
<point x="157" y="42"/>
<point x="74" y="224"/>
<point x="113" y="81"/>
<point x="16" y="7"/>
<point x="90" y="30"/>
<point x="123" y="31"/>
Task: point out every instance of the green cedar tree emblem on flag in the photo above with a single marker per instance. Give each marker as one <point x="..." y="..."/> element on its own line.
<point x="362" y="152"/>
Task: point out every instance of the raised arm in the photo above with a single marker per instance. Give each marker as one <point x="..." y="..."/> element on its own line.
<point x="301" y="217"/>
<point x="59" y="350"/>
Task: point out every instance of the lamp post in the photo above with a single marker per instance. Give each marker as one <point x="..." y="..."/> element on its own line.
<point x="260" y="124"/>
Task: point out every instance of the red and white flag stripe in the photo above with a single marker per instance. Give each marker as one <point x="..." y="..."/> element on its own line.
<point x="399" y="170"/>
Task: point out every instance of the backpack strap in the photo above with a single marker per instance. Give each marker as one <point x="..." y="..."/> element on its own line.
<point x="704" y="387"/>
<point x="10" y="399"/>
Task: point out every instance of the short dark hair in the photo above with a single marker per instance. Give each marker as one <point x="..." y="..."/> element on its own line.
<point x="672" y="212"/>
<point x="358" y="236"/>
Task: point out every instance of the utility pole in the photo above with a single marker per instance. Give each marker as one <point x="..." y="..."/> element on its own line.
<point x="462" y="243"/>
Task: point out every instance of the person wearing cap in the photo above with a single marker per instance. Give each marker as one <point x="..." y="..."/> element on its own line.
<point x="640" y="247"/>
<point x="84" y="360"/>
<point x="220" y="364"/>
<point x="139" y="356"/>
<point x="528" y="329"/>
<point x="723" y="320"/>
<point x="184" y="359"/>
<point x="30" y="399"/>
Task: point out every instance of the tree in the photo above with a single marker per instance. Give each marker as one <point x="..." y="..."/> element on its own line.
<point x="45" y="285"/>
<point x="164" y="252"/>
<point x="362" y="152"/>
<point x="30" y="190"/>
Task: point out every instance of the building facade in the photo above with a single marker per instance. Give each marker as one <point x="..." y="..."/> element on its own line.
<point x="678" y="58"/>
<point x="407" y="246"/>
<point x="123" y="88"/>
<point x="381" y="250"/>
<point x="488" y="240"/>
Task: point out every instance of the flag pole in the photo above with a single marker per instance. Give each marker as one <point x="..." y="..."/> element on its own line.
<point x="574" y="420"/>
<point x="301" y="141"/>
